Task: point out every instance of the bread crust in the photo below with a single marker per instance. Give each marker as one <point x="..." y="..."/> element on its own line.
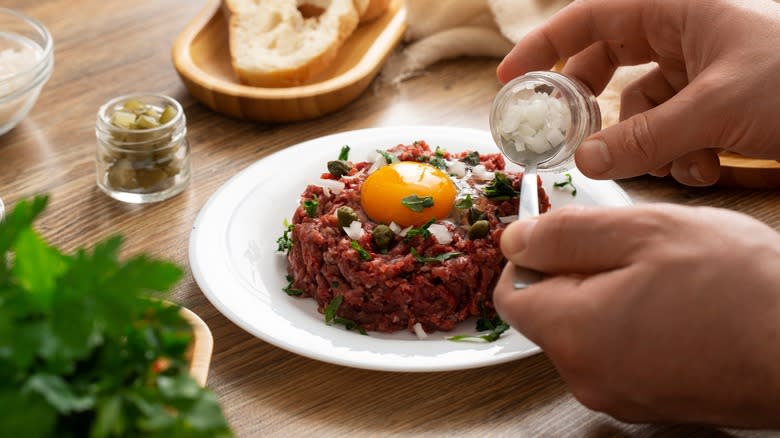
<point x="374" y="10"/>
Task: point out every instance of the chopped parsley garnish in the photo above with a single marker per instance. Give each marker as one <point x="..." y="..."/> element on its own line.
<point x="310" y="205"/>
<point x="285" y="243"/>
<point x="289" y="289"/>
<point x="331" y="318"/>
<point x="438" y="162"/>
<point x="361" y="252"/>
<point x="344" y="154"/>
<point x="334" y="284"/>
<point x="464" y="203"/>
<point x="389" y="158"/>
<point x="435" y="259"/>
<point x="416" y="203"/>
<point x="500" y="189"/>
<point x="561" y="185"/>
<point x="421" y="231"/>
<point x="440" y="152"/>
<point x="472" y="159"/>
<point x="495" y="325"/>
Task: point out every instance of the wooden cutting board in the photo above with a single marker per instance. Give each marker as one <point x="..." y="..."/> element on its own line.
<point x="739" y="171"/>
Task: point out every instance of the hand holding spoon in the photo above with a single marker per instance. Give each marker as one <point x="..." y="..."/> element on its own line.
<point x="538" y="120"/>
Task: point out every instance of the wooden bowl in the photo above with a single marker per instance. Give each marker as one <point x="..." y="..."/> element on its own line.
<point x="201" y="56"/>
<point x="200" y="350"/>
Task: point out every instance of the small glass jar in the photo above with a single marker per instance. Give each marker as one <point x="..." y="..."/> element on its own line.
<point x="584" y="115"/>
<point x="146" y="158"/>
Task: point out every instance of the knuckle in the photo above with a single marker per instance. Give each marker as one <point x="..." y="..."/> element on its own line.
<point x="639" y="139"/>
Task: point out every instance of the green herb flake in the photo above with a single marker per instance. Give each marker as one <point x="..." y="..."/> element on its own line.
<point x="310" y="205"/>
<point x="389" y="158"/>
<point x="361" y="252"/>
<point x="563" y="184"/>
<point x="495" y="326"/>
<point x="416" y="203"/>
<point x="331" y="318"/>
<point x="344" y="154"/>
<point x="334" y="284"/>
<point x="421" y="231"/>
<point x="500" y="188"/>
<point x="438" y="163"/>
<point x="464" y="203"/>
<point x="472" y="159"/>
<point x="435" y="259"/>
<point x="285" y="243"/>
<point x="440" y="152"/>
<point x="289" y="289"/>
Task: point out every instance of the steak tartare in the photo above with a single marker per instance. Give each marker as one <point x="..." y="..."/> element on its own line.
<point x="385" y="277"/>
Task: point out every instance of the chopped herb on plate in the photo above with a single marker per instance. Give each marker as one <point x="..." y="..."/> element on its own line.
<point x="416" y="203"/>
<point x="435" y="259"/>
<point x="344" y="154"/>
<point x="389" y="158"/>
<point x="361" y="252"/>
<point x="331" y="318"/>
<point x="310" y="205"/>
<point x="500" y="188"/>
<point x="285" y="243"/>
<point x="464" y="203"/>
<point x="289" y="289"/>
<point x="563" y="184"/>
<point x="421" y="231"/>
<point x="472" y="159"/>
<point x="494" y="325"/>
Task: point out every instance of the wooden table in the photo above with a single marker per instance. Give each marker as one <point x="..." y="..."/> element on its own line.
<point x="105" y="48"/>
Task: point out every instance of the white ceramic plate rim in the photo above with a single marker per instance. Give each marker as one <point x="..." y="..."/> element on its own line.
<point x="233" y="262"/>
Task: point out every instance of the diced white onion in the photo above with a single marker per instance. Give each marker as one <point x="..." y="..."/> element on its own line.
<point x="457" y="168"/>
<point x="335" y="186"/>
<point x="535" y="121"/>
<point x="508" y="219"/>
<point x="418" y="330"/>
<point x="354" y="230"/>
<point x="405" y="231"/>
<point x="441" y="233"/>
<point x="482" y="173"/>
<point x="395" y="228"/>
<point x="379" y="162"/>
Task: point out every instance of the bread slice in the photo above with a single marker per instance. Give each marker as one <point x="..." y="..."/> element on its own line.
<point x="370" y="10"/>
<point x="274" y="44"/>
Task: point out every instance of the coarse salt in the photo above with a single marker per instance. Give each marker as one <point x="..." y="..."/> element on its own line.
<point x="536" y="122"/>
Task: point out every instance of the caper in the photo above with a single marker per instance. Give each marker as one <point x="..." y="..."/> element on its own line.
<point x="479" y="230"/>
<point x="167" y="115"/>
<point x="475" y="215"/>
<point x="382" y="236"/>
<point x="338" y="168"/>
<point x="346" y="216"/>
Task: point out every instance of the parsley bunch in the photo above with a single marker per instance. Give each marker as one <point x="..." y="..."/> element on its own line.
<point x="86" y="348"/>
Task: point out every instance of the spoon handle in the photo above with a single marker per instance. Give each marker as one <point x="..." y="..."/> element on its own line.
<point x="529" y="207"/>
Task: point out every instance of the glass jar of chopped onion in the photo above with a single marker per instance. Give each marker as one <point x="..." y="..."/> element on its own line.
<point x="142" y="150"/>
<point x="544" y="116"/>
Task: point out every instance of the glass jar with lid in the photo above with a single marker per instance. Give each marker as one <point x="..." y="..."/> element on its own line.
<point x="142" y="150"/>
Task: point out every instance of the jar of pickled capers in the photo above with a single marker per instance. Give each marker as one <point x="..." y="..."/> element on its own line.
<point x="142" y="149"/>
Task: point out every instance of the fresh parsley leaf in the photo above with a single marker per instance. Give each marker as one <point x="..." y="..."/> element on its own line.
<point x="289" y="289"/>
<point x="561" y="185"/>
<point x="500" y="188"/>
<point x="464" y="203"/>
<point x="495" y="325"/>
<point x="435" y="259"/>
<point x="440" y="152"/>
<point x="332" y="307"/>
<point x="344" y="154"/>
<point x="416" y="203"/>
<point x="421" y="231"/>
<point x="439" y="163"/>
<point x="350" y="325"/>
<point x="361" y="252"/>
<point x="310" y="205"/>
<point x="285" y="243"/>
<point x="472" y="159"/>
<point x="389" y="158"/>
<point x="334" y="284"/>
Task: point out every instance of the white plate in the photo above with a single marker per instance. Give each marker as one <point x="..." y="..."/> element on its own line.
<point x="233" y="258"/>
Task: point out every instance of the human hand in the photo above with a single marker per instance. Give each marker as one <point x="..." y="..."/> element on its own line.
<point x="654" y="313"/>
<point x="714" y="87"/>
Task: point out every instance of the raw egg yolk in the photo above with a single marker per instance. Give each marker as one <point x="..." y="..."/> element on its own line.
<point x="384" y="191"/>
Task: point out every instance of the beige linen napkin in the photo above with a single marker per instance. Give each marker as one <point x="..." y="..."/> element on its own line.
<point x="447" y="29"/>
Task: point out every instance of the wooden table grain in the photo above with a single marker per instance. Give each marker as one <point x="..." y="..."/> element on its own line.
<point x="104" y="48"/>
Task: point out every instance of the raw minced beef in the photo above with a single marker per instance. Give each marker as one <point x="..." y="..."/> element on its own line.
<point x="393" y="291"/>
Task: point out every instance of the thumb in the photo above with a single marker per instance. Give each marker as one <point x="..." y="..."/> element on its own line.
<point x="647" y="141"/>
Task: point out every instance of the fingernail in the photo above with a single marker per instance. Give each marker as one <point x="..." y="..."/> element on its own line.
<point x="516" y="237"/>
<point x="695" y="173"/>
<point x="594" y="157"/>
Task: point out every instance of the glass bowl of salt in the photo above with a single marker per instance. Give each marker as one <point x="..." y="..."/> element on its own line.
<point x="26" y="62"/>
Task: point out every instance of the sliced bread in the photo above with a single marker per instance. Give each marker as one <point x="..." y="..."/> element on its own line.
<point x="281" y="43"/>
<point x="371" y="9"/>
